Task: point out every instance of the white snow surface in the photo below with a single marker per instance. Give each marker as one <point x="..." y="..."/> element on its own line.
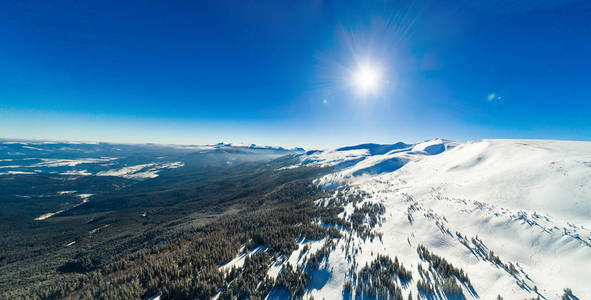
<point x="238" y="261"/>
<point x="77" y="172"/>
<point x="529" y="201"/>
<point x="48" y="215"/>
<point x="55" y="162"/>
<point x="141" y="171"/>
<point x="17" y="173"/>
<point x="368" y="160"/>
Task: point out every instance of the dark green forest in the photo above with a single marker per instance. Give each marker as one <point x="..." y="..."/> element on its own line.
<point x="167" y="236"/>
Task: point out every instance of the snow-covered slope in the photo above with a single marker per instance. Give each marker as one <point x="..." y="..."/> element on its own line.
<point x="372" y="159"/>
<point x="547" y="176"/>
<point x="514" y="215"/>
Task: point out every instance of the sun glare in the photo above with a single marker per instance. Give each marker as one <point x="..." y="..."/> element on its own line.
<point x="367" y="79"/>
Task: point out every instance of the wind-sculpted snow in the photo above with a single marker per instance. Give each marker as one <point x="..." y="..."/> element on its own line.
<point x="550" y="176"/>
<point x="377" y="149"/>
<point x="473" y="220"/>
<point x="371" y="159"/>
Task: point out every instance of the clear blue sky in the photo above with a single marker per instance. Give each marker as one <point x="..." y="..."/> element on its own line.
<point x="279" y="72"/>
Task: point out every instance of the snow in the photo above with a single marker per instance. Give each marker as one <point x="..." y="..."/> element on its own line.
<point x="66" y="192"/>
<point x="56" y="162"/>
<point x="241" y="145"/>
<point x="368" y="160"/>
<point x="77" y="172"/>
<point x="32" y="148"/>
<point x="141" y="171"/>
<point x="529" y="201"/>
<point x="155" y="297"/>
<point x="93" y="231"/>
<point x="84" y="198"/>
<point x="548" y="176"/>
<point x="48" y="215"/>
<point x="16" y="173"/>
<point x="238" y="261"/>
<point x="367" y="155"/>
<point x="335" y="158"/>
<point x="127" y="172"/>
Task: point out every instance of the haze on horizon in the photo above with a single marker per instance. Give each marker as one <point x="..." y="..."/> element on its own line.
<point x="315" y="74"/>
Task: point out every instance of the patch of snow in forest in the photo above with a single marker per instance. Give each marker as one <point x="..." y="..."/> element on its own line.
<point x="48" y="215"/>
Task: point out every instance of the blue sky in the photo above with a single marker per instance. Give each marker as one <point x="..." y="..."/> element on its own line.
<point x="279" y="72"/>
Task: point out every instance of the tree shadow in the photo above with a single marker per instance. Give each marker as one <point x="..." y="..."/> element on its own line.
<point x="471" y="290"/>
<point x="318" y="279"/>
<point x="572" y="297"/>
<point x="405" y="283"/>
<point x="455" y="297"/>
<point x="278" y="294"/>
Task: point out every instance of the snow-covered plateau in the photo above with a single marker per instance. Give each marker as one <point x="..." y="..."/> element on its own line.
<point x="507" y="217"/>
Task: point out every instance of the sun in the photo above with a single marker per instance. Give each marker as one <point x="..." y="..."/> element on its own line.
<point x="367" y="79"/>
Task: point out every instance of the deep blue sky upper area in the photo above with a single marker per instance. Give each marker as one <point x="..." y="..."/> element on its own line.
<point x="279" y="72"/>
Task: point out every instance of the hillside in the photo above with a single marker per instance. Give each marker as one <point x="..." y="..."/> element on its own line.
<point x="482" y="206"/>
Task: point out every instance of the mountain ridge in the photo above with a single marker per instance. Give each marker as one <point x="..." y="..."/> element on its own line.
<point x="526" y="201"/>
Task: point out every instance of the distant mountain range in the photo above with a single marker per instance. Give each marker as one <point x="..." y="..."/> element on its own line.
<point x="137" y="161"/>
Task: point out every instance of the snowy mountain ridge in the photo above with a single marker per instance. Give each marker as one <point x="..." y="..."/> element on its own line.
<point x="371" y="159"/>
<point x="513" y="215"/>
